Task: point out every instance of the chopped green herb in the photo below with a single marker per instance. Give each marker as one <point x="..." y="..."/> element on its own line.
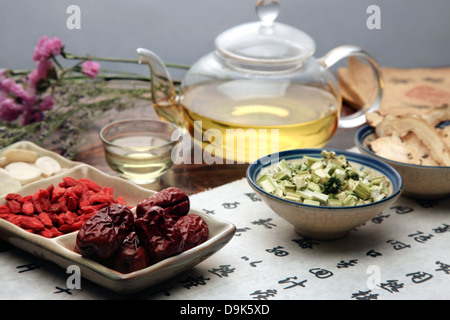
<point x="327" y="181"/>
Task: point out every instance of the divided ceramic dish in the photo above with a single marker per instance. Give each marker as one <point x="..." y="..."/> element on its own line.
<point x="60" y="250"/>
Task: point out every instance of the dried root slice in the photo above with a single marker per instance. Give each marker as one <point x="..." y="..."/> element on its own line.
<point x="393" y="148"/>
<point x="420" y="149"/>
<point x="437" y="115"/>
<point x="48" y="166"/>
<point x="8" y="184"/>
<point x="18" y="155"/>
<point x="403" y="125"/>
<point x="23" y="172"/>
<point x="374" y="118"/>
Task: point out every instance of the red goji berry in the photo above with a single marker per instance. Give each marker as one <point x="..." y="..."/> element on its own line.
<point x="70" y="217"/>
<point x="72" y="204"/>
<point x="37" y="203"/>
<point x="28" y="198"/>
<point x="57" y="193"/>
<point x="45" y="219"/>
<point x="4" y="209"/>
<point x="28" y="208"/>
<point x="71" y="227"/>
<point x="13" y="196"/>
<point x="14" y="206"/>
<point x="31" y="223"/>
<point x="90" y="185"/>
<point x="61" y="219"/>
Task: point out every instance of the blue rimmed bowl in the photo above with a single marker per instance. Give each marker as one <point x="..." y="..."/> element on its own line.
<point x="321" y="222"/>
<point x="420" y="182"/>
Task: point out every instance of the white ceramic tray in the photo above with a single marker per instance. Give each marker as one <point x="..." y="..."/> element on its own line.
<point x="60" y="250"/>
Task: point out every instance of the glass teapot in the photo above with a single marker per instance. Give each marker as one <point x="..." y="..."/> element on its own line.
<point x="261" y="91"/>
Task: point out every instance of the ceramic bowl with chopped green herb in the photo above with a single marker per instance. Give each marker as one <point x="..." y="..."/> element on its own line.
<point x="324" y="193"/>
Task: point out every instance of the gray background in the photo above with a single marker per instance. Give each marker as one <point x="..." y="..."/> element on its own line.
<point x="413" y="32"/>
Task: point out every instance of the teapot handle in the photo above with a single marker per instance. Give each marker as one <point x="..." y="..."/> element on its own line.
<point x="358" y="118"/>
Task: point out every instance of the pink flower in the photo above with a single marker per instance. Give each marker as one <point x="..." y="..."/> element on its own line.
<point x="9" y="110"/>
<point x="90" y="69"/>
<point x="47" y="103"/>
<point x="40" y="72"/>
<point x="47" y="47"/>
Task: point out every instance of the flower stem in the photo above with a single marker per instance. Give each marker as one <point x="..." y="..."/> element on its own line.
<point x="71" y="56"/>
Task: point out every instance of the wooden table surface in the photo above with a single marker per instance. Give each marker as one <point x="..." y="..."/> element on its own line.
<point x="192" y="178"/>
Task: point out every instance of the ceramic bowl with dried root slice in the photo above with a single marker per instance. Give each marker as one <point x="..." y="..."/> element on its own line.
<point x="420" y="181"/>
<point x="61" y="249"/>
<point x="324" y="222"/>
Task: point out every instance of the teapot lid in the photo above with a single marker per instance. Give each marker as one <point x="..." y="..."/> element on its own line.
<point x="266" y="41"/>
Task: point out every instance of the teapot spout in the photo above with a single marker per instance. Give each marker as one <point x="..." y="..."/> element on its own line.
<point x="162" y="89"/>
<point x="161" y="82"/>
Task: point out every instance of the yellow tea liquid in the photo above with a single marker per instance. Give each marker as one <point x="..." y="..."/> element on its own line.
<point x="269" y="116"/>
<point x="141" y="165"/>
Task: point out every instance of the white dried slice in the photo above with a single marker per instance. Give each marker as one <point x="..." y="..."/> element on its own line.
<point x="20" y="155"/>
<point x="8" y="184"/>
<point x="23" y="172"/>
<point x="438" y="114"/>
<point x="402" y="125"/>
<point x="392" y="147"/>
<point x="48" y="166"/>
<point x="374" y="118"/>
<point x="413" y="142"/>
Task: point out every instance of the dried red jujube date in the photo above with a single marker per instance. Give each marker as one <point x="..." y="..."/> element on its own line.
<point x="131" y="256"/>
<point x="174" y="201"/>
<point x="194" y="230"/>
<point x="101" y="235"/>
<point x="158" y="234"/>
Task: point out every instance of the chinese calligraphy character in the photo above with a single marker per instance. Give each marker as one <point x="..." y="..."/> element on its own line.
<point x="443" y="229"/>
<point x="443" y="267"/>
<point x="419" y="276"/>
<point x="62" y="290"/>
<point x="305" y="243"/>
<point x="278" y="252"/>
<point x="222" y="271"/>
<point x="28" y="267"/>
<point x="253" y="196"/>
<point x="365" y="295"/>
<point x="229" y="205"/>
<point x="265" y="222"/>
<point x="373" y="253"/>
<point x="402" y="209"/>
<point x="294" y="283"/>
<point x="209" y="211"/>
<point x="420" y="237"/>
<point x="379" y="218"/>
<point x="321" y="273"/>
<point x="240" y="230"/>
<point x="258" y="294"/>
<point x="391" y="285"/>
<point x="344" y="264"/>
<point x="397" y="245"/>
<point x="253" y="263"/>
<point x="191" y="282"/>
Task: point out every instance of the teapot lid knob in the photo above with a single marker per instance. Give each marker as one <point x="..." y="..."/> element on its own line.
<point x="267" y="11"/>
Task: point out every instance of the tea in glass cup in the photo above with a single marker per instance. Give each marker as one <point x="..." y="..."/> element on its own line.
<point x="139" y="150"/>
